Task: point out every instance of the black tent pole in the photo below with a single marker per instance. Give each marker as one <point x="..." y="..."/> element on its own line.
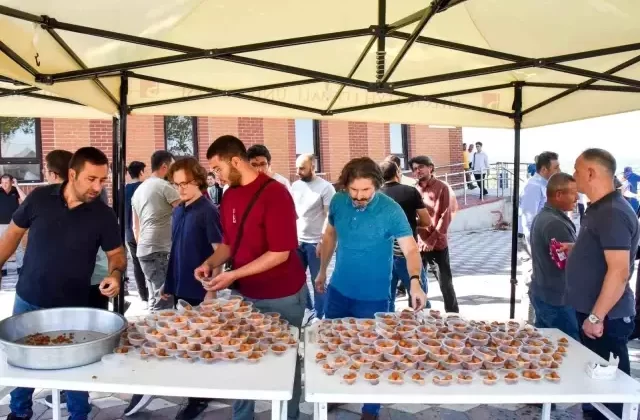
<point x="119" y="163"/>
<point x="517" y="118"/>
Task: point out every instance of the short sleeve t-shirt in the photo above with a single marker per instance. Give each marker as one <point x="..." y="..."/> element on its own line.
<point x="364" y="253"/>
<point x="270" y="226"/>
<point x="311" y="198"/>
<point x="195" y="228"/>
<point x="410" y="201"/>
<point x="284" y="181"/>
<point x="152" y="203"/>
<point x="63" y="243"/>
<point x="608" y="224"/>
<point x="9" y="202"/>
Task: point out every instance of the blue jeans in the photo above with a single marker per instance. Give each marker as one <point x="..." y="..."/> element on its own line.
<point x="401" y="273"/>
<point x="560" y="317"/>
<point x="340" y="306"/>
<point x="307" y="254"/>
<point x="21" y="398"/>
<point x="614" y="340"/>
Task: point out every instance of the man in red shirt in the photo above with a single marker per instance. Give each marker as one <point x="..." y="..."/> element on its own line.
<point x="260" y="241"/>
<point x="433" y="242"/>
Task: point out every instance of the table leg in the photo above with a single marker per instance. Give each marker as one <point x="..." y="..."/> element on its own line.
<point x="546" y="411"/>
<point x="322" y="411"/>
<point x="283" y="410"/>
<point x="276" y="410"/>
<point x="316" y="411"/>
<point x="55" y="399"/>
<point x="629" y="411"/>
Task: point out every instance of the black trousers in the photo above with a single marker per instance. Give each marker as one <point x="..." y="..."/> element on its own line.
<point x="437" y="261"/>
<point x="141" y="284"/>
<point x="481" y="180"/>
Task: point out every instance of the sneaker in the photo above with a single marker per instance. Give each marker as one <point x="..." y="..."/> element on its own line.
<point x="145" y="305"/>
<point x="138" y="402"/>
<point x="192" y="410"/>
<point x="309" y="316"/>
<point x="48" y="400"/>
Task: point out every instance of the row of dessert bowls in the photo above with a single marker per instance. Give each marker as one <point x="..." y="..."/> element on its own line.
<point x="443" y="378"/>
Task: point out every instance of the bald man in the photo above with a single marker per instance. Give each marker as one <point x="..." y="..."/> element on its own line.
<point x="547" y="290"/>
<point x="601" y="262"/>
<point x="311" y="195"/>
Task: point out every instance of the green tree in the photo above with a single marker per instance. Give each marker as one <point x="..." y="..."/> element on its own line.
<point x="179" y="132"/>
<point x="10" y="125"/>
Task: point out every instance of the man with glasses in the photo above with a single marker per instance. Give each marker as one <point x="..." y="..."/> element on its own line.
<point x="260" y="159"/>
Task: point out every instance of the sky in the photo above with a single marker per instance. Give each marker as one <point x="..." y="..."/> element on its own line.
<point x="618" y="134"/>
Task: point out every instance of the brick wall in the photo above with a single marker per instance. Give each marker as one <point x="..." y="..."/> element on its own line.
<point x="340" y="141"/>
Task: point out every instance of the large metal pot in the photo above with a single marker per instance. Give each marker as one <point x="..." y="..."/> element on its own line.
<point x="97" y="332"/>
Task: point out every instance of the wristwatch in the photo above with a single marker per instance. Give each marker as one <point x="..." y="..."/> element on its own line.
<point x="414" y="277"/>
<point x="594" y="319"/>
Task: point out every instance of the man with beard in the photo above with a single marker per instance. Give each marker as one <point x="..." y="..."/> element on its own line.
<point x="265" y="268"/>
<point x="312" y="196"/>
<point x="363" y="224"/>
<point x="434" y="244"/>
<point x="67" y="225"/>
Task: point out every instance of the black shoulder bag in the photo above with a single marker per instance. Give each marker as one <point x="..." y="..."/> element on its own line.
<point x="236" y="243"/>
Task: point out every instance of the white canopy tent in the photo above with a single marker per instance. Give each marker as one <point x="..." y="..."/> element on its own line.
<point x="483" y="63"/>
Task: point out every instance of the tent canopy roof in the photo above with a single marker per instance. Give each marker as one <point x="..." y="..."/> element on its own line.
<point x="283" y="58"/>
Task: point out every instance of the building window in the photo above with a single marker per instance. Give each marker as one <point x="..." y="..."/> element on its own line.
<point x="21" y="148"/>
<point x="399" y="143"/>
<point x="181" y="135"/>
<point x="308" y="139"/>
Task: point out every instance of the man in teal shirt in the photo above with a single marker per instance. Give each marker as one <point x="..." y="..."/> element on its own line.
<point x="363" y="223"/>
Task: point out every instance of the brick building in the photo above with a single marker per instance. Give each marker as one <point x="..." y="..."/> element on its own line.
<point x="333" y="142"/>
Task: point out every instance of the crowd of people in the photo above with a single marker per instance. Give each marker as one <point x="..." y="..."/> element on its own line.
<point x="580" y="277"/>
<point x="241" y="226"/>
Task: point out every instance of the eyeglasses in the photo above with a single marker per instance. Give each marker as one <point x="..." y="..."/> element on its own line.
<point x="184" y="185"/>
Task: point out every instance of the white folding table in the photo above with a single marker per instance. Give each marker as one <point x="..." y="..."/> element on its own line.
<point x="270" y="379"/>
<point x="575" y="387"/>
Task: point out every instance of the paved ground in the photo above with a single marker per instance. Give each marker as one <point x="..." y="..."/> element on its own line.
<point x="480" y="264"/>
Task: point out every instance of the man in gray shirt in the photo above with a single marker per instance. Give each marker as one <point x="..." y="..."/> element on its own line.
<point x="601" y="262"/>
<point x="312" y="196"/>
<point x="152" y="205"/>
<point x="547" y="290"/>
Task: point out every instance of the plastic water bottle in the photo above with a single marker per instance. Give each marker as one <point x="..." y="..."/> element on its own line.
<point x="557" y="254"/>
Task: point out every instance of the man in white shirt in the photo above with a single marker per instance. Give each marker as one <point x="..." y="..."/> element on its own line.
<point x="480" y="166"/>
<point x="260" y="159"/>
<point x="534" y="195"/>
<point x="311" y="195"/>
<point x="152" y="206"/>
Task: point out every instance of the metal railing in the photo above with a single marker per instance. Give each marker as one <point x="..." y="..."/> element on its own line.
<point x="498" y="178"/>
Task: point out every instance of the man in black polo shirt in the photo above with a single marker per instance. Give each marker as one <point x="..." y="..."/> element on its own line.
<point x="67" y="225"/>
<point x="416" y="211"/>
<point x="601" y="263"/>
<point x="10" y="198"/>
